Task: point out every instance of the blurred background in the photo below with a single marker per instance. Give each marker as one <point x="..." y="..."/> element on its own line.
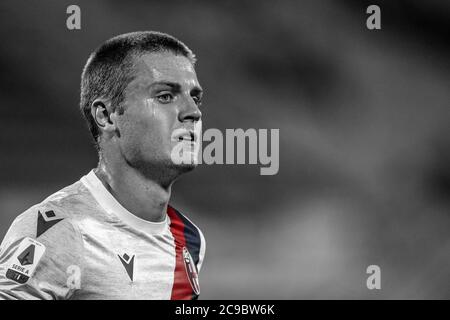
<point x="364" y="136"/>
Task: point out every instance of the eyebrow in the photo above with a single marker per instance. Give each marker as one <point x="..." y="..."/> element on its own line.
<point x="175" y="86"/>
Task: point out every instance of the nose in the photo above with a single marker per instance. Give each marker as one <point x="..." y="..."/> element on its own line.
<point x="190" y="111"/>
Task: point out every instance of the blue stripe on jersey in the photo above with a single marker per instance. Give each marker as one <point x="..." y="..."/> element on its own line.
<point x="192" y="237"/>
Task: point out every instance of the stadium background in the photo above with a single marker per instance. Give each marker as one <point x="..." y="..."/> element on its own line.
<point x="364" y="136"/>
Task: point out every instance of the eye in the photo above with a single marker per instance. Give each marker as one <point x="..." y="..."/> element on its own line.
<point x="165" y="98"/>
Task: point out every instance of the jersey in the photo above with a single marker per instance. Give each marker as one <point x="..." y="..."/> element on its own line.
<point x="81" y="243"/>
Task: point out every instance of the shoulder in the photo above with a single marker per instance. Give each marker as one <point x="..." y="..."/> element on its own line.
<point x="42" y="247"/>
<point x="44" y="224"/>
<point x="50" y="230"/>
<point x="54" y="219"/>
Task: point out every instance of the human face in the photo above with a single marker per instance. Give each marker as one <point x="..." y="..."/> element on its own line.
<point x="161" y="110"/>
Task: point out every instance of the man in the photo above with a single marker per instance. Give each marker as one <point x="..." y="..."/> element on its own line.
<point x="113" y="235"/>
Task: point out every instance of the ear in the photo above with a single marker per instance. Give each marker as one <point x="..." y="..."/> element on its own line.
<point x="101" y="113"/>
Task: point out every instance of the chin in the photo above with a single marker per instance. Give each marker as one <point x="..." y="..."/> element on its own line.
<point x="185" y="157"/>
<point x="172" y="172"/>
<point x="186" y="167"/>
<point x="164" y="171"/>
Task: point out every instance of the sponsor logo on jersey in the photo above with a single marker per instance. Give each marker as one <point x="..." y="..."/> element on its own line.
<point x="128" y="263"/>
<point x="25" y="261"/>
<point x="45" y="221"/>
<point x="191" y="271"/>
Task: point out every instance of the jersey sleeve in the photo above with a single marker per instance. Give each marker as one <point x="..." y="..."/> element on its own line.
<point x="40" y="257"/>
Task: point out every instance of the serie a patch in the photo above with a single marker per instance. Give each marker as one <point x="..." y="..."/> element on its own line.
<point x="25" y="260"/>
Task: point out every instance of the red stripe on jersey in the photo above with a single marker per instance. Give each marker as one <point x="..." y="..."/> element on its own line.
<point x="181" y="289"/>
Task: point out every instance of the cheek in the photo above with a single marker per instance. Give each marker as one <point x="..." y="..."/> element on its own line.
<point x="149" y="125"/>
<point x="160" y="120"/>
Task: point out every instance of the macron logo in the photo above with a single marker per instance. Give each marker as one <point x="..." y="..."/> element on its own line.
<point x="45" y="221"/>
<point x="128" y="263"/>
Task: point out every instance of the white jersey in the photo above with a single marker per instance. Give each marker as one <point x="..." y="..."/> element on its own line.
<point x="81" y="243"/>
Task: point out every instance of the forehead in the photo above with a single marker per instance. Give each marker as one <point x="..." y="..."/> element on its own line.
<point x="165" y="66"/>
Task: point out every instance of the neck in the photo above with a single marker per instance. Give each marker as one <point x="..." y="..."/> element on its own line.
<point x="142" y="196"/>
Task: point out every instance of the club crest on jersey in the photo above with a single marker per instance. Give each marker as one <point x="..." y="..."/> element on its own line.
<point x="191" y="271"/>
<point x="25" y="261"/>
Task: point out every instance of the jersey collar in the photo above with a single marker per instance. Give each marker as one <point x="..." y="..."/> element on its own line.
<point x="112" y="206"/>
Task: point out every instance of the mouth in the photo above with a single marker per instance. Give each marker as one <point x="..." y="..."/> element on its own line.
<point x="184" y="135"/>
<point x="187" y="137"/>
